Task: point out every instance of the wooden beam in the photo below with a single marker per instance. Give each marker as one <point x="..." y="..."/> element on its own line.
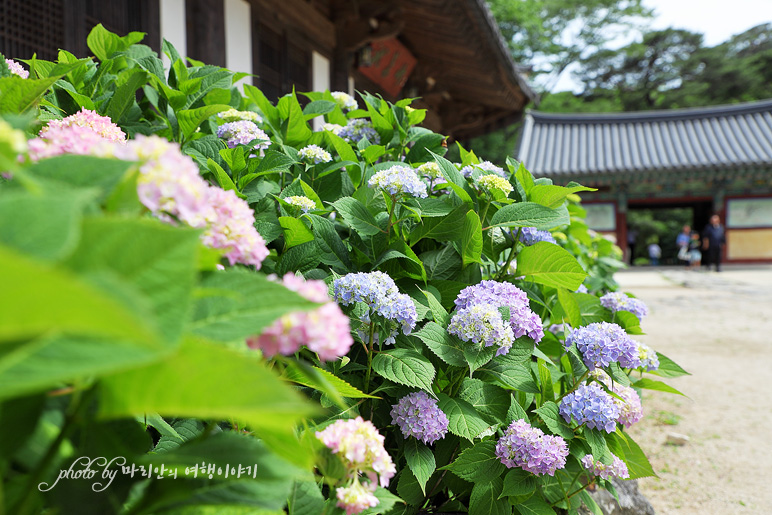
<point x="299" y="14"/>
<point x="205" y="23"/>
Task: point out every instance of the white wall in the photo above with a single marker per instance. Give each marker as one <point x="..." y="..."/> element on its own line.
<point x="238" y="38"/>
<point x="173" y="26"/>
<point x="320" y="79"/>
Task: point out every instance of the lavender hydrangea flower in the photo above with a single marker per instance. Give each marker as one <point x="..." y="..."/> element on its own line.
<point x="532" y="235"/>
<point x="417" y="415"/>
<point x="399" y="180"/>
<point x="243" y="132"/>
<point x="357" y="129"/>
<point x="602" y="343"/>
<point x="381" y="294"/>
<point x="590" y="405"/>
<point x="529" y="448"/>
<point x="629" y="403"/>
<point x="485" y="166"/>
<point x="582" y="289"/>
<point x="314" y="154"/>
<point x="522" y="320"/>
<point x="649" y="358"/>
<point x="482" y="325"/>
<point x="618" y="301"/>
<point x="617" y="468"/>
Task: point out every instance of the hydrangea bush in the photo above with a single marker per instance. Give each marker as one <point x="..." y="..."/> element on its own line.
<point x="195" y="281"/>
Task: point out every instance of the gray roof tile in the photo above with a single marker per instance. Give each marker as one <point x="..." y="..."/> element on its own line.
<point x="708" y="137"/>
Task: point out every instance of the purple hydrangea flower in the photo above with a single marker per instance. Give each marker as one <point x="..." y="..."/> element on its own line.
<point x="630" y="409"/>
<point x="618" y="301"/>
<point x="398" y="180"/>
<point x="357" y="129"/>
<point x="591" y="405"/>
<point x="417" y="415"/>
<point x="649" y="358"/>
<point x="531" y="235"/>
<point x="482" y="325"/>
<point x="521" y="318"/>
<point x="243" y="132"/>
<point x="485" y="166"/>
<point x="582" y="289"/>
<point x="381" y="294"/>
<point x="601" y="343"/>
<point x="617" y="468"/>
<point x="529" y="448"/>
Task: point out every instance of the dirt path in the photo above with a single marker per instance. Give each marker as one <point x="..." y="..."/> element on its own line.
<point x="718" y="327"/>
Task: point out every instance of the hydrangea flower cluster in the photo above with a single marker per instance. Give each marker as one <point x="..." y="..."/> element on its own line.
<point x="66" y="140"/>
<point x="602" y="343"/>
<point x="397" y="180"/>
<point x="381" y="294"/>
<point x="234" y="115"/>
<point x="582" y="289"/>
<point x="431" y="170"/>
<point x="417" y="415"/>
<point x="618" y="301"/>
<point x="485" y="166"/>
<point x="170" y="186"/>
<point x="101" y="125"/>
<point x="357" y="129"/>
<point x="630" y="409"/>
<point x="344" y="100"/>
<point x="243" y="132"/>
<point x="360" y="447"/>
<point x="591" y="405"/>
<point x="305" y="204"/>
<point x="17" y="69"/>
<point x="332" y="127"/>
<point x="492" y="181"/>
<point x="522" y="320"/>
<point x="617" y="468"/>
<point x="649" y="358"/>
<point x="529" y="448"/>
<point x="532" y="235"/>
<point x="482" y="325"/>
<point x="324" y="330"/>
<point x="314" y="154"/>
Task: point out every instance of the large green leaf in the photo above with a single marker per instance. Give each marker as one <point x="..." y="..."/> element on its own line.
<point x="125" y="93"/>
<point x="534" y="505"/>
<point x="669" y="368"/>
<point x="623" y="446"/>
<point x="511" y="374"/>
<point x="320" y="379"/>
<point x="191" y="119"/>
<point x="298" y="131"/>
<point x="518" y="482"/>
<point x="420" y="459"/>
<point x="489" y="400"/>
<point x="356" y="216"/>
<point x="334" y="252"/>
<point x="551" y="265"/>
<point x="446" y="346"/>
<point x="591" y="309"/>
<point x="445" y="228"/>
<point x="237" y="304"/>
<point x="530" y="214"/>
<point x="471" y="239"/>
<point x="463" y="419"/>
<point x="570" y="307"/>
<point x="651" y="384"/>
<point x="295" y="231"/>
<point x="478" y="463"/>
<point x="553" y="196"/>
<point x="19" y="95"/>
<point x="305" y="499"/>
<point x="82" y="172"/>
<point x="549" y="413"/>
<point x="406" y="367"/>
<point x="485" y="499"/>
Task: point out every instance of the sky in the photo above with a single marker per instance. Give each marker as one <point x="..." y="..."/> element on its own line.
<point x="718" y="20"/>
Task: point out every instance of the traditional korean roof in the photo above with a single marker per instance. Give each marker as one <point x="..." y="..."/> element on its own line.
<point x="706" y="138"/>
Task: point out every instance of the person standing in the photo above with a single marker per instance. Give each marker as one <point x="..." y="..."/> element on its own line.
<point x="682" y="243"/>
<point x="655" y="252"/>
<point x="713" y="240"/>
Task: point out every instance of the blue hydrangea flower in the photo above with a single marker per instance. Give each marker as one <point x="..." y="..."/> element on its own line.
<point x="522" y="320"/>
<point x="357" y="129"/>
<point x="590" y="405"/>
<point x="381" y="294"/>
<point x="601" y="343"/>
<point x="529" y="448"/>
<point x="649" y="358"/>
<point x="582" y="289"/>
<point x="618" y="301"/>
<point x="531" y="235"/>
<point x="417" y="415"/>
<point x="397" y="180"/>
<point x="485" y="167"/>
<point x="482" y="325"/>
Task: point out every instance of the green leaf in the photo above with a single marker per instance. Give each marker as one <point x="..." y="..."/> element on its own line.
<point x="629" y="322"/>
<point x="298" y="131"/>
<point x="591" y="309"/>
<point x="322" y="380"/>
<point x="551" y="265"/>
<point x="471" y="239"/>
<point x="334" y="252"/>
<point x="485" y="499"/>
<point x="476" y="355"/>
<point x="530" y="214"/>
<point x="420" y="459"/>
<point x="317" y="108"/>
<point x="82" y="172"/>
<point x="651" y="384"/>
<point x="191" y="119"/>
<point x="534" y="505"/>
<point x="19" y="95"/>
<point x="588" y="501"/>
<point x="518" y="482"/>
<point x="104" y="43"/>
<point x="668" y="367"/>
<point x="548" y="412"/>
<point x="406" y="367"/>
<point x="570" y="307"/>
<point x="524" y="177"/>
<point x="295" y="231"/>
<point x="628" y="451"/>
<point x="488" y="399"/>
<point x="206" y="381"/>
<point x="454" y="177"/>
<point x="509" y="373"/>
<point x="446" y="228"/>
<point x="239" y="304"/>
<point x="269" y="111"/>
<point x="463" y="419"/>
<point x="478" y="463"/>
<point x="305" y="499"/>
<point x="356" y="216"/>
<point x="553" y="196"/>
<point x="596" y="442"/>
<point x="386" y="501"/>
<point x="515" y="411"/>
<point x="446" y="346"/>
<point x="125" y="93"/>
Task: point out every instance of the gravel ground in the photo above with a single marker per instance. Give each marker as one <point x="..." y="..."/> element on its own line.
<point x="718" y="326"/>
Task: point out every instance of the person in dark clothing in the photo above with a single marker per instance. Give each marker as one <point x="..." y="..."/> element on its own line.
<point x="713" y="239"/>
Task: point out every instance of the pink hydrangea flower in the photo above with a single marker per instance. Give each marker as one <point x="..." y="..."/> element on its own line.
<point x="231" y="227"/>
<point x="101" y="125"/>
<point x="17" y="69"/>
<point x="325" y="330"/>
<point x="356" y="498"/>
<point x="57" y="141"/>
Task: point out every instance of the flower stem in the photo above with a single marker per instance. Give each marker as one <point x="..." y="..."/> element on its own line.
<point x="369" y="357"/>
<point x="391" y="215"/>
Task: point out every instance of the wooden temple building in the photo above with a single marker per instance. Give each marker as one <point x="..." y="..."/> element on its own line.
<point x="713" y="160"/>
<point x="448" y="52"/>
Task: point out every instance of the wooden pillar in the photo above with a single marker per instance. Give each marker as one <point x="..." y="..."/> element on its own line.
<point x="621" y="221"/>
<point x="205" y="22"/>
